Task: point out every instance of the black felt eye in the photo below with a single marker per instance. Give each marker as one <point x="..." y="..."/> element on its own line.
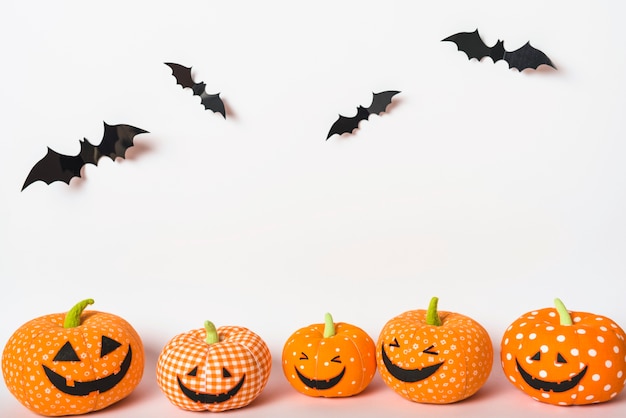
<point x="226" y="373"/>
<point x="303" y="356"/>
<point x="395" y="343"/>
<point x="560" y="359"/>
<point x="336" y="359"/>
<point x="66" y="353"/>
<point x="194" y="372"/>
<point x="108" y="345"/>
<point x="430" y="350"/>
<point x="537" y="356"/>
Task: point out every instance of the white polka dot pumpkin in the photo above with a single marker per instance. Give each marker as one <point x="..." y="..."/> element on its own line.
<point x="565" y="358"/>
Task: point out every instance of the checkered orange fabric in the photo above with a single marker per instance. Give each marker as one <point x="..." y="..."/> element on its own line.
<point x="229" y="374"/>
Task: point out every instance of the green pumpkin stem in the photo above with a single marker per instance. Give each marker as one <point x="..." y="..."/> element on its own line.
<point x="432" y="317"/>
<point x="329" y="326"/>
<point x="564" y="316"/>
<point x="72" y="317"/>
<point x="211" y="333"/>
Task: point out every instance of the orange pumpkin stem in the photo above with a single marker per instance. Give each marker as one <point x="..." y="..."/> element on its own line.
<point x="211" y="333"/>
<point x="564" y="316"/>
<point x="329" y="326"/>
<point x="72" y="318"/>
<point x="432" y="317"/>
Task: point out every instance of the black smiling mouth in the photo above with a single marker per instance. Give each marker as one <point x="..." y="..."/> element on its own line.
<point x="557" y="387"/>
<point x="85" y="388"/>
<point x="321" y="384"/>
<point x="408" y="375"/>
<point x="208" y="398"/>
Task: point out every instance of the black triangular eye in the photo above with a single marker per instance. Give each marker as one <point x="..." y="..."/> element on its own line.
<point x="226" y="373"/>
<point x="194" y="372"/>
<point x="336" y="359"/>
<point x="560" y="358"/>
<point x="395" y="343"/>
<point x="303" y="356"/>
<point x="108" y="345"/>
<point x="66" y="353"/>
<point x="536" y="356"/>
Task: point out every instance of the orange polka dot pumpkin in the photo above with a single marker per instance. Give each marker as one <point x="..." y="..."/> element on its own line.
<point x="329" y="360"/>
<point x="73" y="363"/>
<point x="565" y="358"/>
<point x="434" y="357"/>
<point x="214" y="369"/>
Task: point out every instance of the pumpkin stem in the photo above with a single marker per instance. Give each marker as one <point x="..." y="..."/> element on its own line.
<point x="211" y="333"/>
<point x="329" y="326"/>
<point x="72" y="317"/>
<point x="432" y="317"/>
<point x="565" y="317"/>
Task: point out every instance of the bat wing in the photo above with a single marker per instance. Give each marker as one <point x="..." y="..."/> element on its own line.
<point x="209" y="101"/>
<point x="182" y="74"/>
<point x="471" y="44"/>
<point x="58" y="167"/>
<point x="381" y="101"/>
<point x="346" y="125"/>
<point x="527" y="57"/>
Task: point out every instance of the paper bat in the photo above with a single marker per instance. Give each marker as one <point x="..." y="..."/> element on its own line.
<point x="520" y="59"/>
<point x="379" y="105"/>
<point x="209" y="101"/>
<point x="58" y="167"/>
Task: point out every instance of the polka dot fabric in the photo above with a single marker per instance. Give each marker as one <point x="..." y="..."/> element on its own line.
<point x="34" y="347"/>
<point x="576" y="364"/>
<point x="229" y="374"/>
<point x="434" y="364"/>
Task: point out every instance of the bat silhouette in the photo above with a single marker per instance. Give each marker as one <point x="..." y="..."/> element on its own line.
<point x="209" y="101"/>
<point x="344" y="124"/>
<point x="520" y="59"/>
<point x="58" y="167"/>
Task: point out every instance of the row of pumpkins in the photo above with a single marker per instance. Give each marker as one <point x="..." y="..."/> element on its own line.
<point x="82" y="361"/>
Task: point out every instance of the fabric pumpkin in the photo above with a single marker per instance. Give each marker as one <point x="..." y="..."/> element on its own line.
<point x="434" y="357"/>
<point x="329" y="360"/>
<point x="565" y="358"/>
<point x="73" y="363"/>
<point x="211" y="369"/>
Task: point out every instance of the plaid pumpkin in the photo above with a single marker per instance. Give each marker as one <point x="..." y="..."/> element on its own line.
<point x="228" y="374"/>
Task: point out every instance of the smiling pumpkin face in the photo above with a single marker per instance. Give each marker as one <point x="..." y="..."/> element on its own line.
<point x="434" y="363"/>
<point x="54" y="370"/>
<point x="214" y="369"/>
<point x="329" y="360"/>
<point x="574" y="363"/>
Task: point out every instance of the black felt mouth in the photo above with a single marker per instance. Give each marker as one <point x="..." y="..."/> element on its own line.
<point x="408" y="375"/>
<point x="85" y="388"/>
<point x="547" y="386"/>
<point x="321" y="384"/>
<point x="207" y="398"/>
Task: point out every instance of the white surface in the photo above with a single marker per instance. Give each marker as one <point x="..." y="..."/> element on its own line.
<point x="492" y="189"/>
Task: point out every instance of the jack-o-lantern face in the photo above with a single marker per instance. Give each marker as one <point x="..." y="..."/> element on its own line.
<point x="214" y="369"/>
<point x="578" y="361"/>
<point x="430" y="362"/>
<point x="73" y="367"/>
<point x="329" y="360"/>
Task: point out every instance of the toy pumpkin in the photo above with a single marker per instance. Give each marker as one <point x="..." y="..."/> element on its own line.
<point x="329" y="359"/>
<point x="211" y="369"/>
<point x="434" y="357"/>
<point x="73" y="363"/>
<point x="565" y="358"/>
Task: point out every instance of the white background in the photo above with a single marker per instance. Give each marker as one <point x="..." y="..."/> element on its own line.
<point x="493" y="189"/>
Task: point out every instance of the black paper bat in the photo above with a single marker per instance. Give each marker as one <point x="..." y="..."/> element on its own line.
<point x="58" y="167"/>
<point x="209" y="101"/>
<point x="347" y="125"/>
<point x="522" y="58"/>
